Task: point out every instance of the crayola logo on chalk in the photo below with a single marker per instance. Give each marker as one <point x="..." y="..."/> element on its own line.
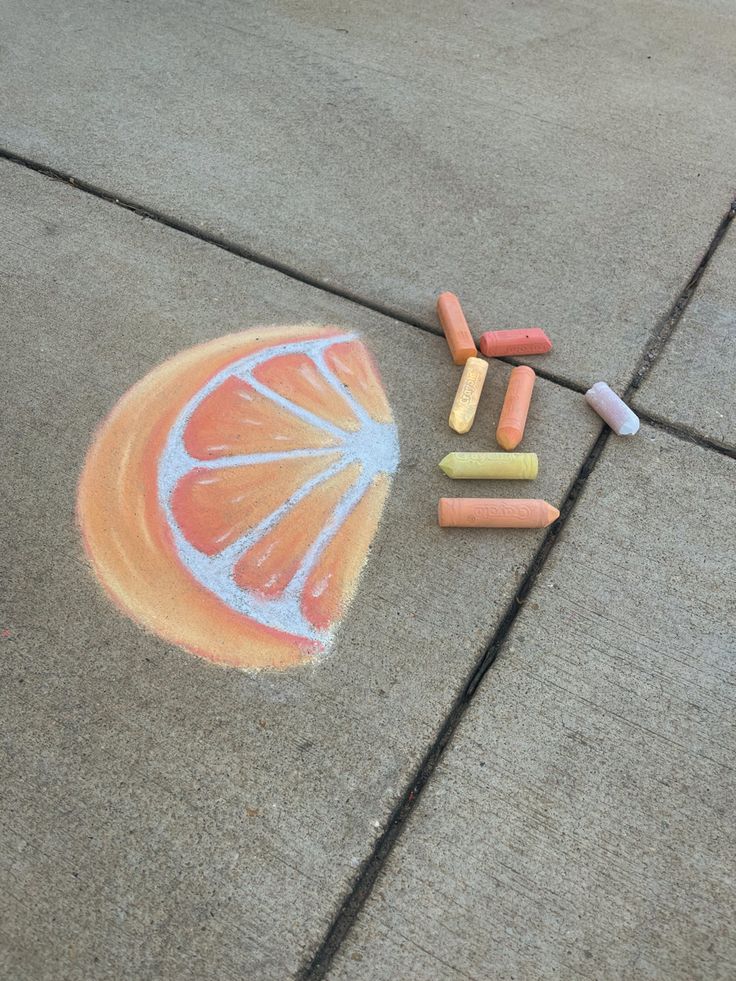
<point x="229" y="500"/>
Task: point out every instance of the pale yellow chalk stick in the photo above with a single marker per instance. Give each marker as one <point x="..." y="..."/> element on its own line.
<point x="490" y="466"/>
<point x="468" y="395"/>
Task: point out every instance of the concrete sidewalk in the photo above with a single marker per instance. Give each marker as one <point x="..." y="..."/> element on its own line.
<point x="227" y="167"/>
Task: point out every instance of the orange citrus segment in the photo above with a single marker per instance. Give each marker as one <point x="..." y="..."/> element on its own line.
<point x="296" y="377"/>
<point x="352" y="364"/>
<point x="123" y="526"/>
<point x="236" y="419"/>
<point x="270" y="565"/>
<point x="330" y="585"/>
<point x="214" y="508"/>
<point x="155" y="521"/>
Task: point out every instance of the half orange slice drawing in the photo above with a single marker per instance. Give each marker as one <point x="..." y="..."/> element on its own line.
<point x="229" y="500"/>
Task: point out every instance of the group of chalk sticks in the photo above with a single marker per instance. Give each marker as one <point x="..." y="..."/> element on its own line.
<point x="504" y="512"/>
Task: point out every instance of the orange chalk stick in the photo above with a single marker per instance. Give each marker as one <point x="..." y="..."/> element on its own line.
<point x="495" y="512"/>
<point x="510" y="428"/>
<point x="455" y="326"/>
<point x="500" y="343"/>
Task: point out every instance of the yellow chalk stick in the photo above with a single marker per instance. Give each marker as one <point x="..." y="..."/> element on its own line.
<point x="468" y="395"/>
<point x="490" y="466"/>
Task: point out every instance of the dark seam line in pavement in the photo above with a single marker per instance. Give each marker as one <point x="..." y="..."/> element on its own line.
<point x="319" y="964"/>
<point x="660" y="335"/>
<point x="688" y="435"/>
<point x="255" y="257"/>
<point x="210" y="239"/>
<point x="549" y="376"/>
<point x="351" y="906"/>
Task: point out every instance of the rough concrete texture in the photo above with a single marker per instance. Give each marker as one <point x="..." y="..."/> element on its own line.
<point x="694" y="381"/>
<point x="581" y="823"/>
<point x="161" y="817"/>
<point x="562" y="164"/>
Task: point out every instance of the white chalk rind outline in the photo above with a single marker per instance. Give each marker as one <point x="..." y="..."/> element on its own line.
<point x="375" y="446"/>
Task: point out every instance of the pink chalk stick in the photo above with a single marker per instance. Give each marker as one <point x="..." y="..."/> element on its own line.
<point x="612" y="410"/>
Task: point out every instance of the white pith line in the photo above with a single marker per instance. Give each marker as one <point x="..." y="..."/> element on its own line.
<point x="374" y="446"/>
<point x="343" y="510"/>
<point x="292" y="407"/>
<point x="351" y="496"/>
<point x="230" y="555"/>
<point x="246" y="459"/>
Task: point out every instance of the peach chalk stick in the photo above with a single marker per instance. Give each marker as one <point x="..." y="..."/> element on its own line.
<point x="455" y="326"/>
<point x="510" y="429"/>
<point x="501" y="343"/>
<point x="490" y="466"/>
<point x="467" y="396"/>
<point x="495" y="512"/>
<point x="612" y="410"/>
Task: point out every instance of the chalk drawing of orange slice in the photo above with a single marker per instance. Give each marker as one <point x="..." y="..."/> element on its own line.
<point x="229" y="500"/>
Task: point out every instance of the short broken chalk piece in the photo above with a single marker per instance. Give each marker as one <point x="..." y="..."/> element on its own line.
<point x="490" y="466"/>
<point x="455" y="327"/>
<point x="468" y="393"/>
<point x="505" y="343"/>
<point x="612" y="410"/>
<point x="511" y="424"/>
<point x="495" y="512"/>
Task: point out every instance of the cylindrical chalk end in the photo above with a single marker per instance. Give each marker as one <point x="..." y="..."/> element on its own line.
<point x="490" y="466"/>
<point x="612" y="409"/>
<point x="455" y="327"/>
<point x="505" y="343"/>
<point x="509" y="437"/>
<point x="510" y="430"/>
<point x="490" y="512"/>
<point x="468" y="394"/>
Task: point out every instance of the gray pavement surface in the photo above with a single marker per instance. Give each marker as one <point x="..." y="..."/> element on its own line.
<point x="559" y="164"/>
<point x="580" y="824"/>
<point x="163" y="818"/>
<point x="562" y="165"/>
<point x="693" y="383"/>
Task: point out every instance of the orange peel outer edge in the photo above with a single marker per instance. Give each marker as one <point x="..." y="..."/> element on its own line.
<point x="124" y="529"/>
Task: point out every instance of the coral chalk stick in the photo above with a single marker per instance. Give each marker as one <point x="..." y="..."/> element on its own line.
<point x="495" y="512"/>
<point x="455" y="326"/>
<point x="612" y="409"/>
<point x="490" y="466"/>
<point x="510" y="430"/>
<point x="502" y="343"/>
<point x="468" y="393"/>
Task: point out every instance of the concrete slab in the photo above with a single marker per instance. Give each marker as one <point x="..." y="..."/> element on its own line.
<point x="561" y="164"/>
<point x="163" y="817"/>
<point x="580" y="823"/>
<point x="693" y="382"/>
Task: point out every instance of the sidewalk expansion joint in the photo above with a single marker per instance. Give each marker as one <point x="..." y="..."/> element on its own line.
<point x="317" y="967"/>
<point x="687" y="434"/>
<point x="219" y="242"/>
<point x="664" y="330"/>
<point x="319" y="963"/>
<point x="652" y="350"/>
